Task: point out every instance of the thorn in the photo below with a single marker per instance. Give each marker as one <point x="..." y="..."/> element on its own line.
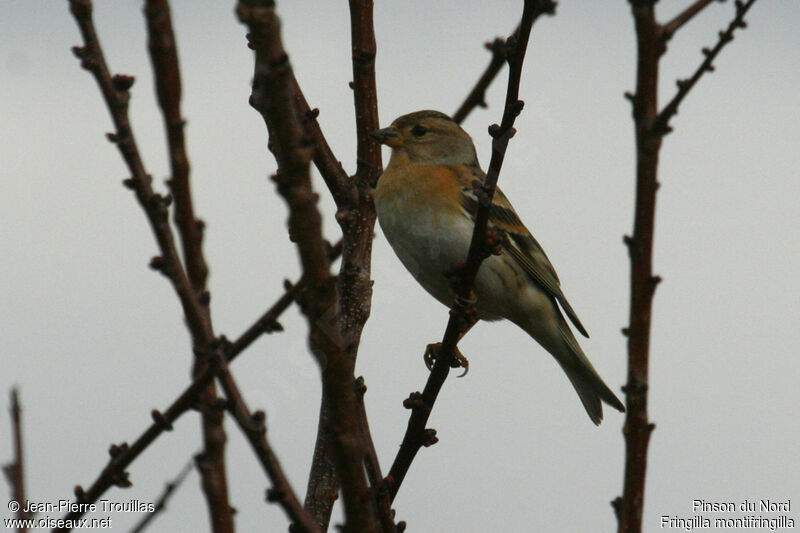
<point x="115" y="450"/>
<point x="112" y="138"/>
<point x="270" y="325"/>
<point x="275" y="494"/>
<point x="122" y="82"/>
<point x="258" y="419"/>
<point x="129" y="183"/>
<point x="516" y="107"/>
<point x="629" y="96"/>
<point x="80" y="494"/>
<point x="361" y="386"/>
<point x="278" y="61"/>
<point x="628" y="240"/>
<point x="312" y="114"/>
<point x="429" y="437"/>
<point x="414" y="401"/>
<point x="121" y="480"/>
<point x="81" y="52"/>
<point x="204" y="298"/>
<point x="161" y="420"/>
<point x="626" y="332"/>
<point x="158" y="263"/>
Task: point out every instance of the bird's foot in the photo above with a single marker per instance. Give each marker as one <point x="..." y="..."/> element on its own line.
<point x="459" y="361"/>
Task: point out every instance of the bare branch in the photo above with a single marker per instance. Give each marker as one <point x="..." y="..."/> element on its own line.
<point x="669" y="29"/>
<point x="115" y="90"/>
<point x="273" y="97"/>
<point x="416" y="435"/>
<point x="637" y="427"/>
<point x="14" y="471"/>
<point x="477" y="97"/>
<point x="161" y="503"/>
<point x="254" y="428"/>
<point x="124" y="455"/>
<point x="164" y="57"/>
<point x="686" y="85"/>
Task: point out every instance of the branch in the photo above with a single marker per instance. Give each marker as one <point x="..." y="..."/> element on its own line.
<point x="273" y="97"/>
<point x="116" y="94"/>
<point x="421" y="405"/>
<point x="123" y="455"/>
<point x="669" y="29"/>
<point x="638" y="428"/>
<point x="685" y="85"/>
<point x="338" y="182"/>
<point x="14" y="471"/>
<point x="650" y="126"/>
<point x="477" y="96"/>
<point x="161" y="503"/>
<point x="254" y="428"/>
<point x="373" y="467"/>
<point x="164" y="57"/>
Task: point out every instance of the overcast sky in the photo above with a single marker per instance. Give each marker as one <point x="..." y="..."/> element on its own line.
<point x="95" y="340"/>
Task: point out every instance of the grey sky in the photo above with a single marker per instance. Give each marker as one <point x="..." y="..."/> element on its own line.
<point x="95" y="339"/>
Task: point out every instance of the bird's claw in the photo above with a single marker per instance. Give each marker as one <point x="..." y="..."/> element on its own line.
<point x="459" y="361"/>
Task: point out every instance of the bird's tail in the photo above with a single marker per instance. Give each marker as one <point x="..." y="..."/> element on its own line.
<point x="587" y="382"/>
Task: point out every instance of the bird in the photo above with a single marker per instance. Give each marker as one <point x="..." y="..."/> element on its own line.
<point x="426" y="200"/>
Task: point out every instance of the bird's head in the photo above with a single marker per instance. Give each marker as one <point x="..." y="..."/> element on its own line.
<point x="428" y="137"/>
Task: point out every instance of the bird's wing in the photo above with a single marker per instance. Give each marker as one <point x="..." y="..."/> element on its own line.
<point x="517" y="241"/>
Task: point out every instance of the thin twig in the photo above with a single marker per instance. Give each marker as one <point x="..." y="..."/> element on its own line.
<point x="477" y="96"/>
<point x="161" y="503"/>
<point x="166" y="73"/>
<point x="273" y="97"/>
<point x="115" y="90"/>
<point x="123" y="455"/>
<point x="372" y="465"/>
<point x="14" y="471"/>
<point x="669" y="29"/>
<point x="356" y="216"/>
<point x="686" y="85"/>
<point x="421" y="405"/>
<point x="650" y="128"/>
<point x="164" y="57"/>
<point x="254" y="428"/>
<point x="340" y="185"/>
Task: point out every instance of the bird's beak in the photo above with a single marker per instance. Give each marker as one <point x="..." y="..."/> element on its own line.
<point x="388" y="136"/>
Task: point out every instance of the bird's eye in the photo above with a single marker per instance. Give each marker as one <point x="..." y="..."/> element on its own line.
<point x="419" y="131"/>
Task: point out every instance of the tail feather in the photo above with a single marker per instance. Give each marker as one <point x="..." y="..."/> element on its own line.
<point x="591" y="390"/>
<point x="584" y="378"/>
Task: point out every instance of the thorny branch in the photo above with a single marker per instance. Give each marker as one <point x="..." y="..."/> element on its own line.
<point x="421" y="405"/>
<point x="669" y="29"/>
<point x="161" y="503"/>
<point x="123" y="455"/>
<point x="115" y="90"/>
<point x="650" y="128"/>
<point x="14" y="471"/>
<point x="477" y="96"/>
<point x="273" y="96"/>
<point x="253" y="425"/>
<point x="686" y="85"/>
<point x="356" y="216"/>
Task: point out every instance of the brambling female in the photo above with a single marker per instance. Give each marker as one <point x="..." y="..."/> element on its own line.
<point x="426" y="207"/>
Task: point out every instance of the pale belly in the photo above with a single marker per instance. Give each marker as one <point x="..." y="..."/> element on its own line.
<point x="428" y="245"/>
